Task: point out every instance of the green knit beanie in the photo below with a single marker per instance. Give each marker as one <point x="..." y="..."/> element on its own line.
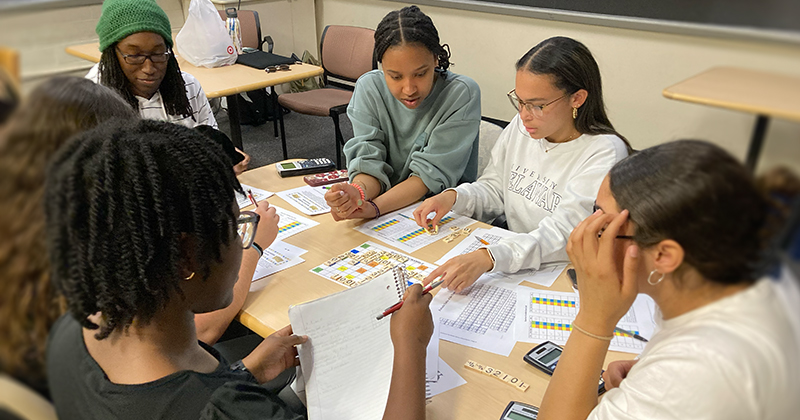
<point x="121" y="18"/>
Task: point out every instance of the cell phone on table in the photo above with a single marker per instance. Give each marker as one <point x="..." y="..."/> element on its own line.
<point x="545" y="357"/>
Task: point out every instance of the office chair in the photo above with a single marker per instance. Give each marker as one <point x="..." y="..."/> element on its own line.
<point x="346" y="54"/>
<point x="19" y="401"/>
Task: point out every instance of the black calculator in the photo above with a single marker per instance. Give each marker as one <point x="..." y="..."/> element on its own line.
<point x="304" y="167"/>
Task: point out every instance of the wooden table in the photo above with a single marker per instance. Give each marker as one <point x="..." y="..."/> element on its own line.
<point x="764" y="94"/>
<point x="266" y="310"/>
<point x="226" y="81"/>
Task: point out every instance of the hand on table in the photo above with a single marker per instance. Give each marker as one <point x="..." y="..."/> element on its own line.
<point x="616" y="372"/>
<point x="413" y="324"/>
<point x="606" y="291"/>
<point x="274" y="355"/>
<point x="343" y="200"/>
<point x="440" y="204"/>
<point x="241" y="166"/>
<point x="267" y="229"/>
<point x="461" y="271"/>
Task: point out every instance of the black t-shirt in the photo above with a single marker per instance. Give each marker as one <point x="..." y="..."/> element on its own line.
<point x="81" y="390"/>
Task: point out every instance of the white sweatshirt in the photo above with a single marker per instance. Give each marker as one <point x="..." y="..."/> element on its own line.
<point x="545" y="194"/>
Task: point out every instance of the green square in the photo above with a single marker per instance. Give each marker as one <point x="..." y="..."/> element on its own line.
<point x="317" y="270"/>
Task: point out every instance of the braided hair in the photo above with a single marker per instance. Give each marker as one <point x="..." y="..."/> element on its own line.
<point x="408" y="26"/>
<point x="172" y="88"/>
<point x="119" y="201"/>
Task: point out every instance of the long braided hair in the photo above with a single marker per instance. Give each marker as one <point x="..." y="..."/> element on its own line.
<point x="119" y="200"/>
<point x="172" y="88"/>
<point x="408" y="26"/>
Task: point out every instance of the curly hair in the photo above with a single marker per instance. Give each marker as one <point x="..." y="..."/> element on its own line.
<point x="172" y="88"/>
<point x="119" y="200"/>
<point x="410" y="26"/>
<point x="56" y="110"/>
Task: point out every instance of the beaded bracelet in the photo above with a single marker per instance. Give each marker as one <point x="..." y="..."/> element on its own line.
<point x="360" y="190"/>
<point x="598" y="337"/>
<point x="377" y="210"/>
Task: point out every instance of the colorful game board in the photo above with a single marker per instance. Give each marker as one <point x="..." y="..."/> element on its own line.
<point x="399" y="229"/>
<point x="369" y="260"/>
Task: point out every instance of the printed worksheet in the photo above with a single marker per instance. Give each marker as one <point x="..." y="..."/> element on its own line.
<point x="546" y="275"/>
<point x="481" y="316"/>
<point x="399" y="229"/>
<point x="278" y="256"/>
<point x="292" y="223"/>
<point x="544" y="315"/>
<point x="259" y="194"/>
<point x="446" y="379"/>
<point x="310" y="200"/>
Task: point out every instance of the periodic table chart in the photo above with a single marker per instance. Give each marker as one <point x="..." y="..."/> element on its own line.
<point x="369" y="260"/>
<point x="548" y="316"/>
<point x="399" y="229"/>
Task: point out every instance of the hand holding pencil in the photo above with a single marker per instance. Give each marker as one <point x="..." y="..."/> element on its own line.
<point x="399" y="305"/>
<point x="412" y="326"/>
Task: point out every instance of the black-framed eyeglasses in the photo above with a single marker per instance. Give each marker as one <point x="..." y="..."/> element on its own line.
<point x="247" y="226"/>
<point x="595" y="207"/>
<point x="536" y="110"/>
<point x="281" y="67"/>
<point x="138" y="59"/>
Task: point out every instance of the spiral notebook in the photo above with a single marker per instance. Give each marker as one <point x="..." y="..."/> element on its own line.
<point x="347" y="361"/>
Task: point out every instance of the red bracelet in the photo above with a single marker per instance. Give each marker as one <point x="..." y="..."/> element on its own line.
<point x="360" y="190"/>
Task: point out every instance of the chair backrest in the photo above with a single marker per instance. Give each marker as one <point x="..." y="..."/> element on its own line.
<point x="346" y="53"/>
<point x="23" y="402"/>
<point x="487" y="137"/>
<point x="9" y="62"/>
<point x="250" y="26"/>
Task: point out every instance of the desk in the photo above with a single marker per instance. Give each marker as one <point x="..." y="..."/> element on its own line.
<point x="761" y="93"/>
<point x="266" y="311"/>
<point x="226" y="81"/>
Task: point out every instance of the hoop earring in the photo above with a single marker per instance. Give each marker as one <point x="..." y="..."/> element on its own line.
<point x="574" y="113"/>
<point x="650" y="277"/>
<point x="191" y="276"/>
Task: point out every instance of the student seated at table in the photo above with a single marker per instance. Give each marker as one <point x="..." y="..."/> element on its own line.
<point x="683" y="223"/>
<point x="138" y="62"/>
<point x="415" y="123"/>
<point x="146" y="233"/>
<point x="545" y="168"/>
<point x="53" y="112"/>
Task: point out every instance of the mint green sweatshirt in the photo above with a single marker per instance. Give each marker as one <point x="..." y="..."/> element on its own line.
<point x="437" y="142"/>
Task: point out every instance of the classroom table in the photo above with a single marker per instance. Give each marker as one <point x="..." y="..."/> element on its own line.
<point x="762" y="93"/>
<point x="266" y="310"/>
<point x="228" y="81"/>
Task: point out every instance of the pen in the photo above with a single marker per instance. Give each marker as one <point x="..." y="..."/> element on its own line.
<point x="399" y="305"/>
<point x="630" y="334"/>
<point x="250" y="195"/>
<point x="481" y="240"/>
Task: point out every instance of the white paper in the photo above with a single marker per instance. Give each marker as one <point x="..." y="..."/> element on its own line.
<point x="347" y="361"/>
<point x="278" y="256"/>
<point x="310" y="200"/>
<point x="399" y="229"/>
<point x="446" y="379"/>
<point x="258" y="194"/>
<point x="546" y="275"/>
<point x="432" y="354"/>
<point x="292" y="223"/>
<point x="544" y="315"/>
<point x="481" y="316"/>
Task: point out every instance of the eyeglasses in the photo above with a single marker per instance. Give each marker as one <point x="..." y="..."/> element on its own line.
<point x="595" y="207"/>
<point x="536" y="110"/>
<point x="138" y="59"/>
<point x="273" y="69"/>
<point x="246" y="226"/>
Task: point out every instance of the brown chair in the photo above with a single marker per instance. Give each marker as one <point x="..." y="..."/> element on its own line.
<point x="346" y="54"/>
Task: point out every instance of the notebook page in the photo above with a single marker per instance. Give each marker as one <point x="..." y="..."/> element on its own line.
<point x="347" y="361"/>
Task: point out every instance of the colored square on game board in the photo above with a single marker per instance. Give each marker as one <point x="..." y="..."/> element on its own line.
<point x="361" y="270"/>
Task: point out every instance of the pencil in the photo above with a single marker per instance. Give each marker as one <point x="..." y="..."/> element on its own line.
<point x="481" y="240"/>
<point x="630" y="334"/>
<point x="399" y="305"/>
<point x="250" y="195"/>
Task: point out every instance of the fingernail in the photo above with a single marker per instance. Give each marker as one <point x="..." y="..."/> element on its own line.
<point x="341" y="192"/>
<point x="598" y="211"/>
<point x="633" y="251"/>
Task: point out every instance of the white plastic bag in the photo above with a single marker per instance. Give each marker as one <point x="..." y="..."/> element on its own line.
<point x="203" y="40"/>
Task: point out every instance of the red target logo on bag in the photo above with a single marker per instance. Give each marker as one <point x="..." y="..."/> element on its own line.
<point x="230" y="49"/>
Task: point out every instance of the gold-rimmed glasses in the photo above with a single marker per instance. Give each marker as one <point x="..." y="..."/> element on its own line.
<point x="536" y="110"/>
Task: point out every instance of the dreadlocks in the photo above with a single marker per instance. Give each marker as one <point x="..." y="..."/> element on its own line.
<point x="172" y="88"/>
<point x="119" y="199"/>
<point x="407" y="26"/>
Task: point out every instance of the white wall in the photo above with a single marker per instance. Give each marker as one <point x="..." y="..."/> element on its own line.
<point x="636" y="66"/>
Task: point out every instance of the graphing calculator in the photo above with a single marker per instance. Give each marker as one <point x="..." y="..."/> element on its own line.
<point x="516" y="410"/>
<point x="545" y="357"/>
<point x="303" y="167"/>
